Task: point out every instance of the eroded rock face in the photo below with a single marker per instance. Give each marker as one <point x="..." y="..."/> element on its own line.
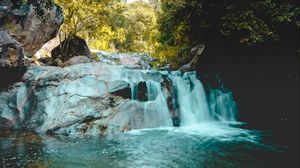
<point x="23" y="32"/>
<point x="87" y="98"/>
<point x="97" y="98"/>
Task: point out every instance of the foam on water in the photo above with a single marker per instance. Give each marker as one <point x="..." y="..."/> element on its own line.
<point x="228" y="131"/>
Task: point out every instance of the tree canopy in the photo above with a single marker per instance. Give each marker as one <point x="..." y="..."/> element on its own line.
<point x="112" y="25"/>
<point x="169" y="29"/>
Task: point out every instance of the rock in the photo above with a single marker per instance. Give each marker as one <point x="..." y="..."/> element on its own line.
<point x="77" y="60"/>
<point x="96" y="98"/>
<point x="11" y="51"/>
<point x="71" y="47"/>
<point x="23" y="32"/>
<point x="171" y="102"/>
<point x="82" y="99"/>
<point x="58" y="62"/>
<point x="128" y="60"/>
<point x="46" y="60"/>
<point x="167" y="67"/>
<point x="196" y="52"/>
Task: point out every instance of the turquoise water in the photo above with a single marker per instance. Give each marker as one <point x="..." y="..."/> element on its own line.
<point x="210" y="145"/>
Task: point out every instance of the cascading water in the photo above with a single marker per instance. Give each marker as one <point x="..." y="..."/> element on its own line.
<point x="222" y="105"/>
<point x="191" y="98"/>
<point x="184" y="100"/>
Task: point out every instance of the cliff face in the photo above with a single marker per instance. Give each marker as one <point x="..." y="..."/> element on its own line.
<point x="80" y="99"/>
<point x="25" y="29"/>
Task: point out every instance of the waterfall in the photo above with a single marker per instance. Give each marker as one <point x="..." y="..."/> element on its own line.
<point x="191" y="98"/>
<point x="172" y="97"/>
<point x="222" y="105"/>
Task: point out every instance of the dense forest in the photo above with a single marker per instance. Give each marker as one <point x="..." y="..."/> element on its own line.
<point x="169" y="29"/>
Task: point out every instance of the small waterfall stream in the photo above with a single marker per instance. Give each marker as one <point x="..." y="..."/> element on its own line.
<point x="175" y="99"/>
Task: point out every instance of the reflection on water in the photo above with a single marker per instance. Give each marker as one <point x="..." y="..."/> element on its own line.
<point x="21" y="149"/>
<point x="207" y="146"/>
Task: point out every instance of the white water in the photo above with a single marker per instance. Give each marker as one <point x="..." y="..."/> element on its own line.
<point x="222" y="105"/>
<point x="194" y="107"/>
<point x="191" y="99"/>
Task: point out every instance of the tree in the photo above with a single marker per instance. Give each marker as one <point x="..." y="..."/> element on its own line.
<point x="91" y="20"/>
<point x="112" y="25"/>
<point x="141" y="28"/>
<point x="186" y="23"/>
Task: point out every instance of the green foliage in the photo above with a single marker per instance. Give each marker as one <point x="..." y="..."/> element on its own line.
<point x="250" y="22"/>
<point x="187" y="23"/>
<point x="112" y="25"/>
<point x="141" y="28"/>
<point x="89" y="19"/>
<point x="169" y="29"/>
<point x="260" y="21"/>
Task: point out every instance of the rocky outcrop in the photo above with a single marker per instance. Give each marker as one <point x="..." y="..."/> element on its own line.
<point x="24" y="31"/>
<point x="96" y="99"/>
<point x="90" y="98"/>
<point x="69" y="48"/>
<point x="196" y="52"/>
<point x="128" y="60"/>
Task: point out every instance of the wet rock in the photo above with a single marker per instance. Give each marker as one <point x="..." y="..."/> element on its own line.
<point x="171" y="95"/>
<point x="94" y="99"/>
<point x="124" y="93"/>
<point x="142" y="92"/>
<point x="79" y="99"/>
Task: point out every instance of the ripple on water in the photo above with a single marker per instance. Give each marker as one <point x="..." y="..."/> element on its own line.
<point x="206" y="145"/>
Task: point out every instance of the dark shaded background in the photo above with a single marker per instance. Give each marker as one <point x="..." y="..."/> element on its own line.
<point x="265" y="83"/>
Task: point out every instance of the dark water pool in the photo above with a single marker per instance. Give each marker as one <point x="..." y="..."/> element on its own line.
<point x="202" y="146"/>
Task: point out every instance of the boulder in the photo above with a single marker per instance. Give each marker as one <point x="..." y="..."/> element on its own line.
<point x="23" y="32"/>
<point x="71" y="47"/>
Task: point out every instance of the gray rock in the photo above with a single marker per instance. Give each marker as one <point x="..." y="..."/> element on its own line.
<point x="23" y="32"/>
<point x="77" y="60"/>
<point x="167" y="67"/>
<point x="128" y="60"/>
<point x="79" y="100"/>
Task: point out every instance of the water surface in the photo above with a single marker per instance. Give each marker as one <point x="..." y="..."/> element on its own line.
<point x="210" y="145"/>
